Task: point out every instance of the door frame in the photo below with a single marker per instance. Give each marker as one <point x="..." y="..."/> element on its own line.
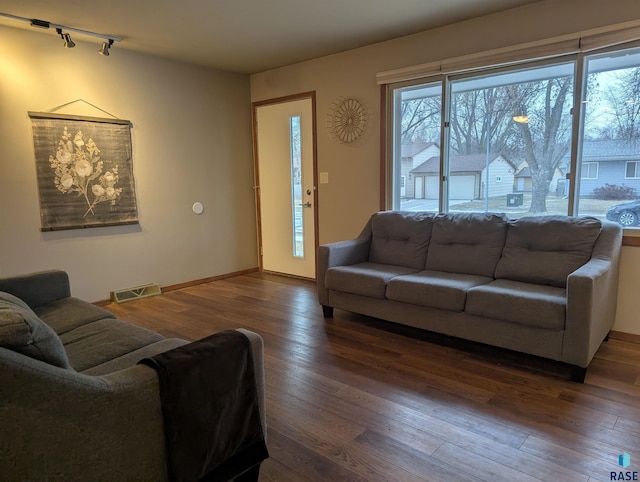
<point x="256" y="185"/>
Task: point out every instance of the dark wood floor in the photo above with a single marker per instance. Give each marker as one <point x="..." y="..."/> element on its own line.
<point x="350" y="399"/>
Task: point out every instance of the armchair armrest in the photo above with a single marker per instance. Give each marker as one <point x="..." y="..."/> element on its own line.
<point x="37" y="289"/>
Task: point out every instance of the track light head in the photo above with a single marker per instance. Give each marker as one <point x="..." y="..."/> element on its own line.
<point x="104" y="50"/>
<point x="68" y="43"/>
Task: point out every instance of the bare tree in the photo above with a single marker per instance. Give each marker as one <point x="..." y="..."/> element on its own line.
<point x="623" y="96"/>
<point x="420" y="119"/>
<point x="476" y="115"/>
<point x="546" y="136"/>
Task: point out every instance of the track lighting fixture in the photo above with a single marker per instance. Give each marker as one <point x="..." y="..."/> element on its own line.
<point x="64" y="34"/>
<point x="68" y="43"/>
<point x="104" y="50"/>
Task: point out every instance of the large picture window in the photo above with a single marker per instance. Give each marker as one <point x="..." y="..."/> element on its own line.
<point x="510" y="140"/>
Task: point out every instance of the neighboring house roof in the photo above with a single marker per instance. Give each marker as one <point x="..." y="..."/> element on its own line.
<point x="610" y="150"/>
<point x="413" y="149"/>
<point x="469" y="163"/>
<point x="524" y="172"/>
<point x="592" y="151"/>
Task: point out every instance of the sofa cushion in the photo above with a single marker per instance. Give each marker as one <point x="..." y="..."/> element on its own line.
<point x="546" y="249"/>
<point x="528" y="304"/>
<point x="400" y="238"/>
<point x="22" y="331"/>
<point x="69" y="313"/>
<point x="469" y="243"/>
<point x="132" y="358"/>
<point x="103" y="340"/>
<point x="367" y="279"/>
<point x="437" y="289"/>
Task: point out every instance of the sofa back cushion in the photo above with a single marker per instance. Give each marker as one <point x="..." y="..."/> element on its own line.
<point x="467" y="243"/>
<point x="400" y="238"/>
<point x="22" y="331"/>
<point x="546" y="249"/>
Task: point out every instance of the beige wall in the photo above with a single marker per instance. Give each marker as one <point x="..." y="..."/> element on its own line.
<point x="191" y="142"/>
<point x="352" y="193"/>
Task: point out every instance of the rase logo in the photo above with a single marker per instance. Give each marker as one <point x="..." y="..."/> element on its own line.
<point x="624" y="461"/>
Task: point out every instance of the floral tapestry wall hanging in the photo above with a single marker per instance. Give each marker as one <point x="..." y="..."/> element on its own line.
<point x="85" y="171"/>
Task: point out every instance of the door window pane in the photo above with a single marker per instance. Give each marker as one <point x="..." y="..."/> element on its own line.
<point x="296" y="188"/>
<point x="611" y="136"/>
<point x="510" y="141"/>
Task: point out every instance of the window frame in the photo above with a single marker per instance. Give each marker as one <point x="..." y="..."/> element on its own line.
<point x="590" y="163"/>
<point x="626" y="169"/>
<point x="573" y="175"/>
<point x="445" y="132"/>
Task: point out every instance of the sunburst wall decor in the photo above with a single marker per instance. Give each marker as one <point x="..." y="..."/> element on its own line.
<point x="347" y="120"/>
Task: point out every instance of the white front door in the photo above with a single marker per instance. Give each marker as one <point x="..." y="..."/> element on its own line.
<point x="286" y="186"/>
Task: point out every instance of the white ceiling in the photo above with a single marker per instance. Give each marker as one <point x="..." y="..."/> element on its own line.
<point x="249" y="36"/>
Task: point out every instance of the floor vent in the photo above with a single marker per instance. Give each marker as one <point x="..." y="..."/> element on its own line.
<point x="139" y="292"/>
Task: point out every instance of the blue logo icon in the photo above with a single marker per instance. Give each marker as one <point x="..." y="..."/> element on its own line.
<point x="624" y="460"/>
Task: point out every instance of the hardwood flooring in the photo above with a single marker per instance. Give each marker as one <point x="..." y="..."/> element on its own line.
<point x="353" y="398"/>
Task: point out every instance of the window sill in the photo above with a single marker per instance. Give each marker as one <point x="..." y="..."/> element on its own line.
<point x="629" y="239"/>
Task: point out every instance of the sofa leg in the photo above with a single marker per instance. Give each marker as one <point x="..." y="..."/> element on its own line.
<point x="327" y="311"/>
<point x="578" y="374"/>
<point x="606" y="338"/>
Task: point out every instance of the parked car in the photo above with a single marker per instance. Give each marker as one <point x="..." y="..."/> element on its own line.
<point x="627" y="214"/>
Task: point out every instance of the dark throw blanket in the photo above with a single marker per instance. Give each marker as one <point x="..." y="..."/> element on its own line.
<point x="210" y="409"/>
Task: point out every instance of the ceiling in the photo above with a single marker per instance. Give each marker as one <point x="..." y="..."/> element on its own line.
<point x="249" y="36"/>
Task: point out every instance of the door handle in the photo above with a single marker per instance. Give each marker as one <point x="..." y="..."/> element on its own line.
<point x="307" y="204"/>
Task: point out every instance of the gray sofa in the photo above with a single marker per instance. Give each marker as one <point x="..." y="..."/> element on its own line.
<point x="74" y="403"/>
<point x="541" y="285"/>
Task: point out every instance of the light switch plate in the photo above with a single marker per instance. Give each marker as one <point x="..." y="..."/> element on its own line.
<point x="324" y="178"/>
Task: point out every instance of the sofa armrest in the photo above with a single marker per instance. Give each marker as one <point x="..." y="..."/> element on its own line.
<point x="37" y="289"/>
<point x="592" y="297"/>
<point x="342" y="253"/>
<point x="62" y="425"/>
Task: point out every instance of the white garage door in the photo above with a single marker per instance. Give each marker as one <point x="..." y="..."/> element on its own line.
<point x="432" y="188"/>
<point x="461" y="187"/>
